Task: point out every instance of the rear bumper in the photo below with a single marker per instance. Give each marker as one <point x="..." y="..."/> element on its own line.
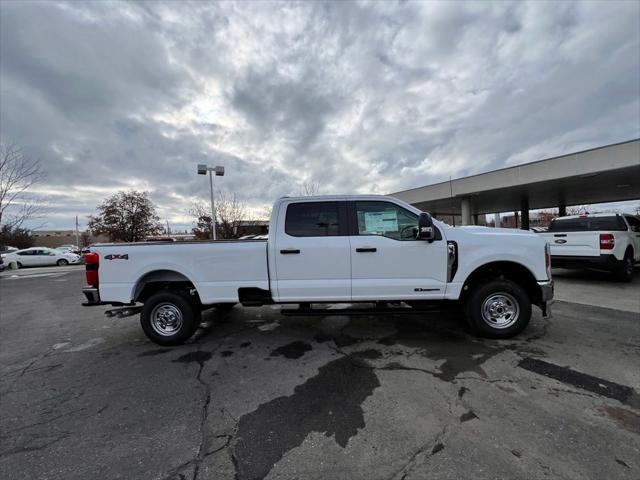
<point x="93" y="296"/>
<point x="606" y="262"/>
<point x="546" y="297"/>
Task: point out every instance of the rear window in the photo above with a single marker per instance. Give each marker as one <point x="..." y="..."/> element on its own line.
<point x="588" y="224"/>
<point x="312" y="219"/>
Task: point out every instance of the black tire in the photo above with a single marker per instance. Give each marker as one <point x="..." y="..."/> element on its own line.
<point x="489" y="304"/>
<point x="62" y="262"/>
<point x="18" y="264"/>
<point x="624" y="270"/>
<point x="181" y="318"/>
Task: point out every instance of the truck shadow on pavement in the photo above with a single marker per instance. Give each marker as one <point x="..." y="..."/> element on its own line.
<point x="330" y="402"/>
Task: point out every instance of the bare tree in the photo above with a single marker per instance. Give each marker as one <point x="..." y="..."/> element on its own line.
<point x="18" y="173"/>
<point x="265" y="213"/>
<point x="309" y="189"/>
<point x="578" y="210"/>
<point x="127" y="217"/>
<point x="230" y="214"/>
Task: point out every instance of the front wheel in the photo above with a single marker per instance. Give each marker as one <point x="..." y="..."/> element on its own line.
<point x="62" y="262"/>
<point x="169" y="318"/>
<point x="498" y="309"/>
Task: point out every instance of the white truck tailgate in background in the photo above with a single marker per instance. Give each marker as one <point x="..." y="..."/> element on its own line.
<point x="583" y="244"/>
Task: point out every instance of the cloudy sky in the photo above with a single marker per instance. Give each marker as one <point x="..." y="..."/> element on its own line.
<point x="358" y="97"/>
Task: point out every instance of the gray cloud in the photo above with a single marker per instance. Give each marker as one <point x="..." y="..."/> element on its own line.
<point x="358" y="97"/>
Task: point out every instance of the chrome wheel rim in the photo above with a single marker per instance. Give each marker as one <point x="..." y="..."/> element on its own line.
<point x="166" y="319"/>
<point x="500" y="310"/>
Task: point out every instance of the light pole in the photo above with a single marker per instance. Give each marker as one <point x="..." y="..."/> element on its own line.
<point x="219" y="171"/>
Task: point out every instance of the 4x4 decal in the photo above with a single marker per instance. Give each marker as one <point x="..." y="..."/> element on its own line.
<point x="117" y="256"/>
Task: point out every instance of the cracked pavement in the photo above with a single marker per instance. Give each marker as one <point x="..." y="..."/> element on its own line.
<point x="257" y="395"/>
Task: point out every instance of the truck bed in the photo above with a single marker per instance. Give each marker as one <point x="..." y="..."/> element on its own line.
<point x="217" y="269"/>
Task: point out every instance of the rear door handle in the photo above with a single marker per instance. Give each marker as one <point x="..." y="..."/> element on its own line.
<point x="366" y="249"/>
<point x="290" y="251"/>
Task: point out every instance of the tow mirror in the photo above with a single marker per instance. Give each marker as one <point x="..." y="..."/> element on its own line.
<point x="425" y="228"/>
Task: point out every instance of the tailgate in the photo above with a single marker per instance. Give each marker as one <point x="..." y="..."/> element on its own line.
<point x="579" y="244"/>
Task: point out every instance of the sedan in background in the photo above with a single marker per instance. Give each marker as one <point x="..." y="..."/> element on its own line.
<point x="69" y="249"/>
<point x="40" y="256"/>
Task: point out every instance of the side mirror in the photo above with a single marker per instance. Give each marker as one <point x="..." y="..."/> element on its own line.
<point x="425" y="228"/>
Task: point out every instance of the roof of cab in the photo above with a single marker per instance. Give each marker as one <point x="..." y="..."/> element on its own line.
<point x="588" y="215"/>
<point x="338" y="197"/>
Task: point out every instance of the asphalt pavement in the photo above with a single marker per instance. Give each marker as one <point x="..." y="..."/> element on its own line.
<point x="258" y="395"/>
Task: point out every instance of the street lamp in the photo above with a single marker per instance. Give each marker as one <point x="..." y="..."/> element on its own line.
<point x="219" y="171"/>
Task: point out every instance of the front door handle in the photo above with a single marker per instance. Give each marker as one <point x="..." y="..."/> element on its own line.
<point x="290" y="251"/>
<point x="366" y="249"/>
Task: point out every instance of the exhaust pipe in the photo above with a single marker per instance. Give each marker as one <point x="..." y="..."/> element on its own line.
<point x="123" y="312"/>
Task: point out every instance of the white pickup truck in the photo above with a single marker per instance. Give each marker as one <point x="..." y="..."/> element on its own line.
<point x="377" y="253"/>
<point x="606" y="241"/>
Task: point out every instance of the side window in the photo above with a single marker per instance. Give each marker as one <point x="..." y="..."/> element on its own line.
<point x="386" y="219"/>
<point x="312" y="219"/>
<point x="26" y="252"/>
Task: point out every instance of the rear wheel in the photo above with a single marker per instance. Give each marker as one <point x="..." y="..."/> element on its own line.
<point x="169" y="318"/>
<point x="624" y="270"/>
<point x="62" y="262"/>
<point x="498" y="309"/>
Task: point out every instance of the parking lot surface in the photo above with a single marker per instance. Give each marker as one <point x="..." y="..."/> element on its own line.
<point x="257" y="395"/>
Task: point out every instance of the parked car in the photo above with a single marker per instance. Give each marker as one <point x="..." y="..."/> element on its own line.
<point x="4" y="249"/>
<point x="67" y="250"/>
<point x="604" y="241"/>
<point x="41" y="256"/>
<point x="362" y="250"/>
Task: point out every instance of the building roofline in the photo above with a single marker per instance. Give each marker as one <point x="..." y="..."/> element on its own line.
<point x="517" y="166"/>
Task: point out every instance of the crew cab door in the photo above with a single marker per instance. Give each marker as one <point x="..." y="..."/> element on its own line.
<point x="387" y="262"/>
<point x="312" y="259"/>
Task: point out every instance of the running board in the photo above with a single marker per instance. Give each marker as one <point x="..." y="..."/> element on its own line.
<point x="123" y="312"/>
<point x="325" y="312"/>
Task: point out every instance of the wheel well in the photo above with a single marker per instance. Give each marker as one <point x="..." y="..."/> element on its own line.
<point x="152" y="282"/>
<point x="630" y="251"/>
<point x="513" y="271"/>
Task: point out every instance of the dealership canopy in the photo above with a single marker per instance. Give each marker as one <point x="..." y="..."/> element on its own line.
<point x="605" y="174"/>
